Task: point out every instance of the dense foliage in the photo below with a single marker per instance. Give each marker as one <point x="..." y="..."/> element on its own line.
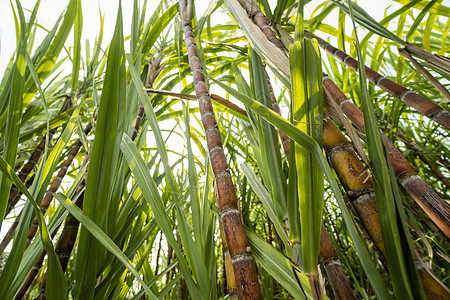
<point x="110" y="182"/>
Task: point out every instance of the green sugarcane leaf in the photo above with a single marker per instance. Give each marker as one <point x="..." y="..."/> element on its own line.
<point x="264" y="196"/>
<point x="279" y="267"/>
<point x="152" y="196"/>
<point x="194" y="256"/>
<point x="193" y="181"/>
<point x="153" y="123"/>
<point x="57" y="288"/>
<point x="308" y="113"/>
<point x="103" y="163"/>
<point x="268" y="142"/>
<point x="14" y="112"/>
<point x="77" y="46"/>
<point x="395" y="232"/>
<point x="310" y="144"/>
<point x="102" y="238"/>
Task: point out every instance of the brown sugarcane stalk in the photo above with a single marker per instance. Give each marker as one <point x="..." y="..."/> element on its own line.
<point x="359" y="189"/>
<point x="433" y="205"/>
<point x="337" y="278"/>
<point x="338" y="281"/>
<point x="45" y="203"/>
<point x="34" y="271"/>
<point x="421" y="104"/>
<point x="68" y="236"/>
<point x="153" y="72"/>
<point x="14" y="194"/>
<point x="240" y="251"/>
<point x="366" y="201"/>
<point x="66" y="240"/>
<point x="426" y="74"/>
<point x="254" y="13"/>
<point x="440" y="62"/>
<point x="423" y="158"/>
<point x="12" y="230"/>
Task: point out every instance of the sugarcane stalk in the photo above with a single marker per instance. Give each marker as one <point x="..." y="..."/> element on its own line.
<point x="66" y="240"/>
<point x="254" y="13"/>
<point x="284" y="139"/>
<point x="426" y="74"/>
<point x="12" y="230"/>
<point x="14" y="194"/>
<point x="359" y="188"/>
<point x="236" y="239"/>
<point x="153" y="72"/>
<point x="433" y="205"/>
<point x="34" y="271"/>
<point x="45" y="203"/>
<point x="440" y="62"/>
<point x="421" y="104"/>
<point x="338" y="280"/>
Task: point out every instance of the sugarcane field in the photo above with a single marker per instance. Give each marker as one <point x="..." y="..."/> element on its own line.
<point x="225" y="149"/>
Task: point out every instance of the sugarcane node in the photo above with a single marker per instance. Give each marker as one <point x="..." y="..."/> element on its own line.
<point x="197" y="76"/>
<point x="225" y="191"/>
<point x="443" y="118"/>
<point x="424" y="106"/>
<point x="372" y="75"/>
<point x="213" y="138"/>
<point x="218" y="160"/>
<point x="201" y="88"/>
<point x="205" y="104"/>
<point x="330" y="261"/>
<point x="187" y="28"/>
<point x="260" y="21"/>
<point x="331" y="49"/>
<point x="194" y="63"/>
<point x="341" y="55"/>
<point x="190" y="42"/>
<point x="351" y="62"/>
<point x="209" y="121"/>
<point x="267" y="31"/>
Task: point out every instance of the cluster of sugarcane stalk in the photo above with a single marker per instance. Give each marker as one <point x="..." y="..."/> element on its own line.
<point x="350" y="169"/>
<point x="303" y="235"/>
